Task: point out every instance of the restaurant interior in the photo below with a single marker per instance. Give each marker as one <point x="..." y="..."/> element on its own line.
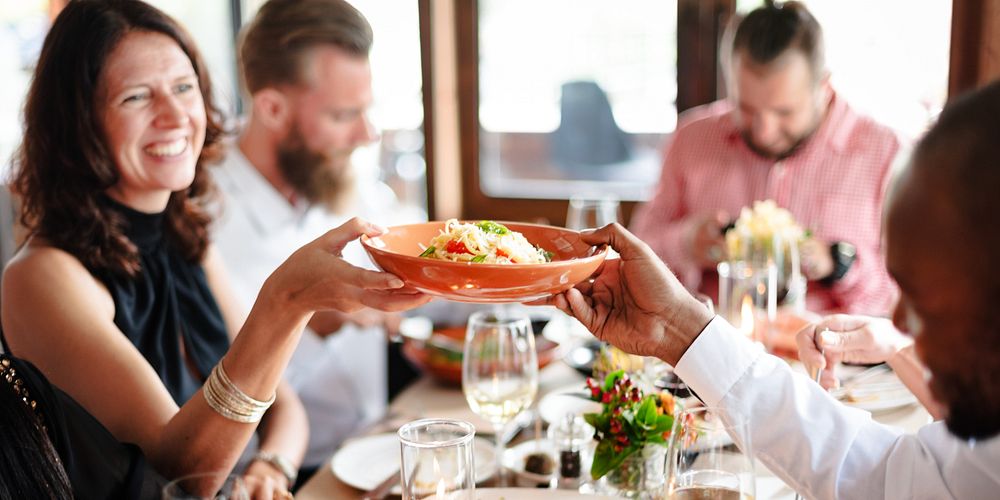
<point x="523" y="354"/>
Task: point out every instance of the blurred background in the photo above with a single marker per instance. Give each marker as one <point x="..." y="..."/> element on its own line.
<point x="505" y="109"/>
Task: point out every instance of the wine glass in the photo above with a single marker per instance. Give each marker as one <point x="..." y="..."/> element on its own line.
<point x="592" y="212"/>
<point x="710" y="456"/>
<point x="499" y="370"/>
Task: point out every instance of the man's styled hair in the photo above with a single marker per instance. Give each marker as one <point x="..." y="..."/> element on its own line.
<point x="770" y="31"/>
<point x="274" y="47"/>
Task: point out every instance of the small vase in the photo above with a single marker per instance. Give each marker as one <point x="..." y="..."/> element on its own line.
<point x="642" y="475"/>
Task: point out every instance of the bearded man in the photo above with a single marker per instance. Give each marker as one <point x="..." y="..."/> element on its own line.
<point x="783" y="134"/>
<point x="288" y="179"/>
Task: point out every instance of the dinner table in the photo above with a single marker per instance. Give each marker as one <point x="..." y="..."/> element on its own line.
<point x="428" y="398"/>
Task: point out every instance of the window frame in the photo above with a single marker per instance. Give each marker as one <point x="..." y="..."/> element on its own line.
<point x="699" y="24"/>
<point x="973" y="62"/>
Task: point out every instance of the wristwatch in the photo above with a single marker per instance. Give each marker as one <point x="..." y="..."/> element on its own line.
<point x="843" y="254"/>
<point x="279" y="462"/>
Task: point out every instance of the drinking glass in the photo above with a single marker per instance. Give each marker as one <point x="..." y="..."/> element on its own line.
<point x="748" y="293"/>
<point x="234" y="487"/>
<point x="592" y="212"/>
<point x="775" y="251"/>
<point x="499" y="370"/>
<point x="710" y="456"/>
<point x="437" y="459"/>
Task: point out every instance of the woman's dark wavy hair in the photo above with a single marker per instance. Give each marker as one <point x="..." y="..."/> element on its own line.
<point x="63" y="166"/>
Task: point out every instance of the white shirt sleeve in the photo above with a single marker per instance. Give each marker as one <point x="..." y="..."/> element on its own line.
<point x="822" y="448"/>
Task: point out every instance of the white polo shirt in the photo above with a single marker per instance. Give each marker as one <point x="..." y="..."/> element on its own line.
<point x="341" y="379"/>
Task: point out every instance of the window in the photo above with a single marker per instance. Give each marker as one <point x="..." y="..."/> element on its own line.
<point x="575" y="97"/>
<point x="23" y="26"/>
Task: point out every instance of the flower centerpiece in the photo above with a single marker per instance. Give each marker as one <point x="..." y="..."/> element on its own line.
<point x="760" y="225"/>
<point x="631" y="430"/>
<point x="768" y="235"/>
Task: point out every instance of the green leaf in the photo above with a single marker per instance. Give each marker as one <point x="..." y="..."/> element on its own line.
<point x="663" y="423"/>
<point x="612" y="377"/>
<point x="429" y="252"/>
<point x="599" y="421"/>
<point x="479" y="258"/>
<point x="492" y="227"/>
<point x="605" y="458"/>
<point x="547" y="254"/>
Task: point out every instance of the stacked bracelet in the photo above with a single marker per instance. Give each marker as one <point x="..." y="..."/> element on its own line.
<point x="227" y="400"/>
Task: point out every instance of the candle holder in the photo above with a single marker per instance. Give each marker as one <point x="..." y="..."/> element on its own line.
<point x="748" y="298"/>
<point x="437" y="460"/>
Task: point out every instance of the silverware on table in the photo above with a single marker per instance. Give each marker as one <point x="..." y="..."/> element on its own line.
<point x="382" y="490"/>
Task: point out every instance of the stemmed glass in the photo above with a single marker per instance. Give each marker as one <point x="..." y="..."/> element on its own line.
<point x="499" y="370"/>
<point x="592" y="212"/>
<point x="710" y="456"/>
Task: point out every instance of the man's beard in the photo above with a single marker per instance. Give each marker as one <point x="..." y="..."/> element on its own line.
<point x="320" y="178"/>
<point x="797" y="143"/>
<point x="781" y="155"/>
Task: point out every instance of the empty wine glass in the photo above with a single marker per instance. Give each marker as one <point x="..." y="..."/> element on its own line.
<point x="592" y="212"/>
<point x="499" y="370"/>
<point x="710" y="456"/>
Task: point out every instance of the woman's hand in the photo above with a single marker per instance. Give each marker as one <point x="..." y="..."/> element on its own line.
<point x="316" y="277"/>
<point x="635" y="302"/>
<point x="851" y="339"/>
<point x="265" y="482"/>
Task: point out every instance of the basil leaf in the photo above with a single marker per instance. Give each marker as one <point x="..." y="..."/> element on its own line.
<point x="428" y="253"/>
<point x="479" y="258"/>
<point x="492" y="227"/>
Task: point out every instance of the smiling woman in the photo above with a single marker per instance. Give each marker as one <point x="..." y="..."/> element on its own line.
<point x="153" y="118"/>
<point x="118" y="297"/>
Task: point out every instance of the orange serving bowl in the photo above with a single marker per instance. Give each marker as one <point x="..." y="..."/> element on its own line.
<point x="444" y="364"/>
<point x="398" y="251"/>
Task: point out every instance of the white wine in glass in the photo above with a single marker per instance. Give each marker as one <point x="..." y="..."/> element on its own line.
<point x="499" y="370"/>
<point x="710" y="456"/>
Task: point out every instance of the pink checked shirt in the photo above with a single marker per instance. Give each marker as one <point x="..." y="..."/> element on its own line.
<point x="834" y="185"/>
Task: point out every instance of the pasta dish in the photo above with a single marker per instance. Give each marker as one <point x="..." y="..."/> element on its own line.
<point x="484" y="242"/>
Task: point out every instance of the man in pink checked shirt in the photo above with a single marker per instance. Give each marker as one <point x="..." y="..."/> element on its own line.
<point x="783" y="134"/>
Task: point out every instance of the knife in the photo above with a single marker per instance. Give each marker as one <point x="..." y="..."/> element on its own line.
<point x="382" y="490"/>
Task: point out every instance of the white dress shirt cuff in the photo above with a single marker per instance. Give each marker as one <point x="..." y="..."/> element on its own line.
<point x="716" y="360"/>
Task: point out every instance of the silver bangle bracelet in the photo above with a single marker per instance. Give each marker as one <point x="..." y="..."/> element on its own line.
<point x="227" y="400"/>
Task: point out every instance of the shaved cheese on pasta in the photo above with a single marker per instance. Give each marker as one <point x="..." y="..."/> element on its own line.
<point x="483" y="242"/>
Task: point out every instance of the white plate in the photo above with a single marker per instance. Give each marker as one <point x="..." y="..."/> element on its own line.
<point x="365" y="462"/>
<point x="513" y="460"/>
<point x="556" y="404"/>
<point x="877" y="399"/>
<point x="881" y="392"/>
<point x="533" y="494"/>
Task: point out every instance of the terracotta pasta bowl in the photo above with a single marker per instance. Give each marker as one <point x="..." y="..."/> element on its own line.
<point x="398" y="251"/>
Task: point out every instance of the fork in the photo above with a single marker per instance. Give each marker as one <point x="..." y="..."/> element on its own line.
<point x="382" y="490"/>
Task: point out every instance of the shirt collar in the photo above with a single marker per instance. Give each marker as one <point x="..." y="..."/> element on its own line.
<point x="266" y="208"/>
<point x="834" y="130"/>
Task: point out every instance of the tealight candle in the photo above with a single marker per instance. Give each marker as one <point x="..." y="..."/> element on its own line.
<point x="437" y="460"/>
